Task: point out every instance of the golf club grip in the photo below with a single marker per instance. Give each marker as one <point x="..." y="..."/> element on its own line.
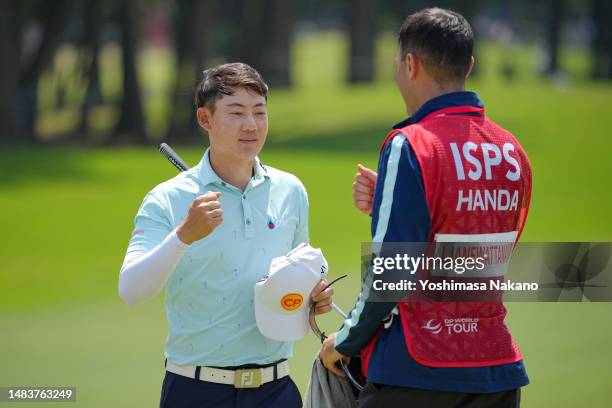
<point x="172" y="157"/>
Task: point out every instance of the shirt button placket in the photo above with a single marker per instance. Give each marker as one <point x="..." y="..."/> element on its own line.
<point x="248" y="218"/>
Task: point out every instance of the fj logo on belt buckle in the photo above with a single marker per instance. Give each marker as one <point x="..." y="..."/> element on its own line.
<point x="247" y="378"/>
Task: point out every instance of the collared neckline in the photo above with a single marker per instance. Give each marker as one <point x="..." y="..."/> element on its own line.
<point x="209" y="176"/>
<point x="464" y="98"/>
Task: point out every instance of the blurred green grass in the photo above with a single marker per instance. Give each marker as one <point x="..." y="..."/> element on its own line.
<point x="67" y="213"/>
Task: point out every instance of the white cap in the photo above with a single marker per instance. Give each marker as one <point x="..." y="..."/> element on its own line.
<point x="282" y="298"/>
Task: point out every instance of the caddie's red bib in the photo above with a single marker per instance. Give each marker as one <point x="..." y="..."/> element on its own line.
<point x="477" y="181"/>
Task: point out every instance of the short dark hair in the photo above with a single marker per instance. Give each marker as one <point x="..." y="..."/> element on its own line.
<point x="224" y="79"/>
<point x="442" y="39"/>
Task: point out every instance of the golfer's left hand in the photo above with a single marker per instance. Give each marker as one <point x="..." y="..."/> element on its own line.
<point x="329" y="356"/>
<point x="322" y="298"/>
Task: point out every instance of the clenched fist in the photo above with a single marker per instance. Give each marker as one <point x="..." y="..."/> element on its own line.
<point x="204" y="216"/>
<point x="363" y="188"/>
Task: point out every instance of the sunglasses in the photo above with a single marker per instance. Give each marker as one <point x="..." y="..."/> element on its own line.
<point x="322" y="336"/>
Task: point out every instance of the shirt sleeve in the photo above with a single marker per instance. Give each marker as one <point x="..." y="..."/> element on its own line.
<point x="399" y="214"/>
<point x="301" y="232"/>
<point x="146" y="274"/>
<point x="152" y="255"/>
<point x="151" y="225"/>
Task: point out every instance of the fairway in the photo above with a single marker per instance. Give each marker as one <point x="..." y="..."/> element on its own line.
<point x="67" y="212"/>
<point x="65" y="324"/>
<point x="114" y="355"/>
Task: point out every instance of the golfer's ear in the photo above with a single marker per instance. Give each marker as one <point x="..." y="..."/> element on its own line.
<point x="470" y="68"/>
<point x="204" y="115"/>
<point x="412" y="65"/>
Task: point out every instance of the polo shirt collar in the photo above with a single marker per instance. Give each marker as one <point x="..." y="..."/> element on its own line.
<point x="208" y="175"/>
<point x="448" y="100"/>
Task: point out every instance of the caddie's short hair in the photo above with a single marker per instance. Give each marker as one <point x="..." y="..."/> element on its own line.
<point x="224" y="79"/>
<point x="442" y="39"/>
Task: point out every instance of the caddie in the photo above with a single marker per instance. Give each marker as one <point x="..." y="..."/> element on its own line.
<point x="446" y="173"/>
<point x="207" y="236"/>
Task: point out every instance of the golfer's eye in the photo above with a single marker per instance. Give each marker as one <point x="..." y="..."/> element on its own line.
<point x="236" y="113"/>
<point x="261" y="113"/>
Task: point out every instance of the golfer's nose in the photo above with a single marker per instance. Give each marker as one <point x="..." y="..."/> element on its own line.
<point x="249" y="124"/>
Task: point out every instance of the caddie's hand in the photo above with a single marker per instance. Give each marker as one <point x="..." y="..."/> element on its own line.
<point x="322" y="298"/>
<point x="204" y="216"/>
<point x="329" y="356"/>
<point x="363" y="188"/>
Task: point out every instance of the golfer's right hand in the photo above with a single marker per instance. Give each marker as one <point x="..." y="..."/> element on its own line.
<point x="204" y="216"/>
<point x="363" y="188"/>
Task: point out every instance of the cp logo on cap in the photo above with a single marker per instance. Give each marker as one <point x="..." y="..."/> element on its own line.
<point x="292" y="301"/>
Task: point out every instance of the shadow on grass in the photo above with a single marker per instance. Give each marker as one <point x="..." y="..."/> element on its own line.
<point x="357" y="140"/>
<point x="42" y="164"/>
<point x="27" y="164"/>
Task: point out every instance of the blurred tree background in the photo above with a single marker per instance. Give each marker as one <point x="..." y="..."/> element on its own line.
<point x="88" y="88"/>
<point x="76" y="72"/>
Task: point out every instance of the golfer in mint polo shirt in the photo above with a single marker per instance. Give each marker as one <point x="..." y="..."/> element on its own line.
<point x="207" y="236"/>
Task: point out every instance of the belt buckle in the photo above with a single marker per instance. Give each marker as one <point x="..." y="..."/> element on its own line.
<point x="247" y="378"/>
